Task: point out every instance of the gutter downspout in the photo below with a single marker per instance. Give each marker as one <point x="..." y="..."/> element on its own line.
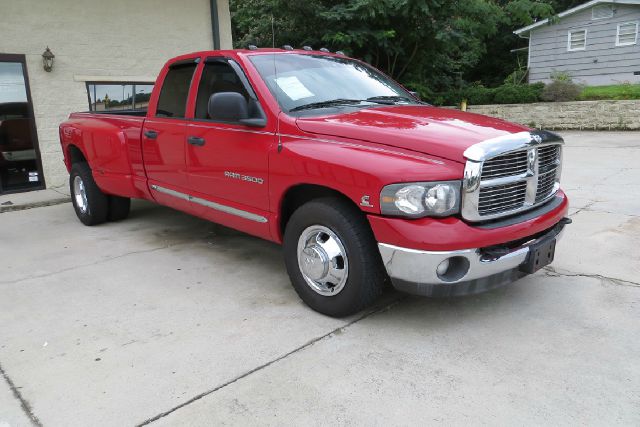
<point x="215" y="25"/>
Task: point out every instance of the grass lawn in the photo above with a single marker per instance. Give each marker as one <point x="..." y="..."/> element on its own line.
<point x="622" y="91"/>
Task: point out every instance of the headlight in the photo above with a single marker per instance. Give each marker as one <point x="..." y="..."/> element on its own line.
<point x="420" y="199"/>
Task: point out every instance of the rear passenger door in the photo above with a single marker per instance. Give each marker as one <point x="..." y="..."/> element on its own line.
<point x="163" y="139"/>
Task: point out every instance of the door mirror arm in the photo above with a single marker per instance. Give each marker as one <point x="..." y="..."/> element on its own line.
<point x="254" y="123"/>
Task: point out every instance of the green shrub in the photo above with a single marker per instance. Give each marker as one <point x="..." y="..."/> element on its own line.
<point x="561" y="91"/>
<point x="561" y="76"/>
<point x="518" y="77"/>
<point x="477" y="94"/>
<point x="518" y="94"/>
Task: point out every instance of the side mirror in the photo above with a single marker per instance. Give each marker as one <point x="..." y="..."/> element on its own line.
<point x="233" y="107"/>
<point x="228" y="107"/>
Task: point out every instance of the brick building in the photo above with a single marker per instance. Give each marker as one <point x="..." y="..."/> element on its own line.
<point x="106" y="56"/>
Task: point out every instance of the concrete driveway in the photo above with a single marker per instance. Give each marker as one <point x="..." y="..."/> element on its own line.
<point x="169" y="320"/>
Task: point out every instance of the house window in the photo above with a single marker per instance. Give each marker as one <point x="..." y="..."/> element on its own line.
<point x="602" y="11"/>
<point x="109" y="96"/>
<point x="577" y="40"/>
<point x="627" y="34"/>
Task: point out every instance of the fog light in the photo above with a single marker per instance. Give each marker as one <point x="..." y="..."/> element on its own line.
<point x="443" y="267"/>
<point x="453" y="269"/>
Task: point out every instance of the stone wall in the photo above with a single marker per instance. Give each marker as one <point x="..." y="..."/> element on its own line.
<point x="98" y="40"/>
<point x="588" y="115"/>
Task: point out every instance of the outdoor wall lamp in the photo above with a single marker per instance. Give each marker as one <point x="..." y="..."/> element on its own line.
<point x="47" y="60"/>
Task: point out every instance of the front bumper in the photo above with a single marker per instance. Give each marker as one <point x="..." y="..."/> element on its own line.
<point x="470" y="271"/>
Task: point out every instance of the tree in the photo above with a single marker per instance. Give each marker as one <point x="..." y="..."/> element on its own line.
<point x="432" y="43"/>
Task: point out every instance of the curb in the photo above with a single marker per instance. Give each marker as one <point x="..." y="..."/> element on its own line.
<point x="25" y="206"/>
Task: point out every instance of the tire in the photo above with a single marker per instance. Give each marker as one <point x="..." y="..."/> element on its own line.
<point x="339" y="226"/>
<point x="119" y="208"/>
<point x="90" y="203"/>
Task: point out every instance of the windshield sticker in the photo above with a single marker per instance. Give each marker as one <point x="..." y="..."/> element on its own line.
<point x="293" y="88"/>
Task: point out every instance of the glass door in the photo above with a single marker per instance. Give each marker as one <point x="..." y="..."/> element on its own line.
<point x="20" y="165"/>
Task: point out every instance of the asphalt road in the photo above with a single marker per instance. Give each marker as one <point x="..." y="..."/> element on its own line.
<point x="169" y="320"/>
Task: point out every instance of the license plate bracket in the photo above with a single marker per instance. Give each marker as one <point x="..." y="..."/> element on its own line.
<point x="540" y="255"/>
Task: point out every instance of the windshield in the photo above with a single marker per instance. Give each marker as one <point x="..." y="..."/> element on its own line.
<point x="317" y="81"/>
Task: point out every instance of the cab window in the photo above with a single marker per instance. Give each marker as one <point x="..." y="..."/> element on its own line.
<point x="217" y="77"/>
<point x="175" y="90"/>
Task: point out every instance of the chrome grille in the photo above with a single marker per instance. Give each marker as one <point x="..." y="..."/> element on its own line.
<point x="505" y="165"/>
<point x="506" y="177"/>
<point x="548" y="163"/>
<point x="502" y="198"/>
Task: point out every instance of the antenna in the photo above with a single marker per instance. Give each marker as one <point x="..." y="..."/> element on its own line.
<point x="273" y="32"/>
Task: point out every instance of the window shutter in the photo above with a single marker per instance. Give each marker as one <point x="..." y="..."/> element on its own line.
<point x="577" y="40"/>
<point x="627" y="34"/>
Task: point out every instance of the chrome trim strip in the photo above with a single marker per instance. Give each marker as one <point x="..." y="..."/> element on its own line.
<point x="212" y="205"/>
<point x="514" y="142"/>
<point x="417" y="266"/>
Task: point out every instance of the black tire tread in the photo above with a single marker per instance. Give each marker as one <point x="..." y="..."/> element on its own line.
<point x="98" y="201"/>
<point x="362" y="247"/>
<point x="119" y="208"/>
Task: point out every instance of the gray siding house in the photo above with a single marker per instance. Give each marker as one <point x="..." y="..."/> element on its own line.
<point x="597" y="43"/>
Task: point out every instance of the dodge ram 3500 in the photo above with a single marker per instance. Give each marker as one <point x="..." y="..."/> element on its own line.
<point x="358" y="179"/>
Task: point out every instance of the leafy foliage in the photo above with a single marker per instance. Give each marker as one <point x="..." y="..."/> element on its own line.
<point x="478" y="94"/>
<point x="430" y="45"/>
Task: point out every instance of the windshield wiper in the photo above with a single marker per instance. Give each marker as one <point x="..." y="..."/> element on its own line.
<point x="390" y="99"/>
<point x="329" y="103"/>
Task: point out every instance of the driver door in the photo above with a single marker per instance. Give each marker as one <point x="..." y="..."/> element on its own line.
<point x="227" y="163"/>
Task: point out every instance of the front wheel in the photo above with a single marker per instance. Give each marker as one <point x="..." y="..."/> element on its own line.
<point x="332" y="257"/>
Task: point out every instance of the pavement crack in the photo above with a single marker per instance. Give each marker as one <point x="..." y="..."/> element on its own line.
<point x="584" y="208"/>
<point x="371" y="312"/>
<point x="24" y="404"/>
<point x="555" y="273"/>
<point x="75" y="267"/>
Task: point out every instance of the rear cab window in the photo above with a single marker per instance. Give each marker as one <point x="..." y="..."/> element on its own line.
<point x="175" y="90"/>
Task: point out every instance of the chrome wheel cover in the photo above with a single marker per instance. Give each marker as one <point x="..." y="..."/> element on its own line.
<point x="80" y="194"/>
<point x="322" y="259"/>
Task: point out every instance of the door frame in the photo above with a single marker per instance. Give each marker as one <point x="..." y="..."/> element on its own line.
<point x="13" y="57"/>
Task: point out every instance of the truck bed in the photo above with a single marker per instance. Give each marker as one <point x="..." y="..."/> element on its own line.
<point x="112" y="139"/>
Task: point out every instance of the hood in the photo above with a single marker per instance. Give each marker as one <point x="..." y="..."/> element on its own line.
<point x="436" y="131"/>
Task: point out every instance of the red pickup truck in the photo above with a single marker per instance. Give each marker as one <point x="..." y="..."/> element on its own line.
<point x="357" y="178"/>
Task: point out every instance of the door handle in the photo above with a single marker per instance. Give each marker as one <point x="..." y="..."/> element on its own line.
<point x="151" y="134"/>
<point x="194" y="140"/>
